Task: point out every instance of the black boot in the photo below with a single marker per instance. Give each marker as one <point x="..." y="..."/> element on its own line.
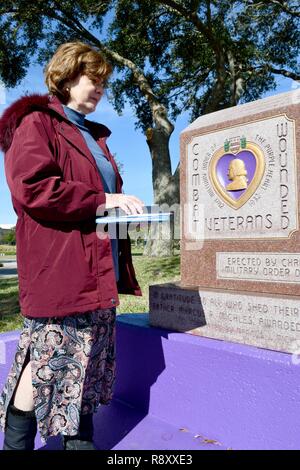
<point x="20" y="430"/>
<point x="84" y="439"/>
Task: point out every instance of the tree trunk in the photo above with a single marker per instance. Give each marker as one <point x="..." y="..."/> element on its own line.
<point x="166" y="193"/>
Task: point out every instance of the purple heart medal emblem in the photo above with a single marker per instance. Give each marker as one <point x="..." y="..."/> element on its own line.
<point x="236" y="171"/>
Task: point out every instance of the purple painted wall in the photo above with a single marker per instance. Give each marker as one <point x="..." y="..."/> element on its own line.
<point x="243" y="397"/>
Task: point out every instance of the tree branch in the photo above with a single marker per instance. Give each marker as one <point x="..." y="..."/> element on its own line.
<point x="193" y="17"/>
<point x="208" y="14"/>
<point x="285" y="73"/>
<point x="270" y="68"/>
<point x="279" y="3"/>
<point x="195" y="79"/>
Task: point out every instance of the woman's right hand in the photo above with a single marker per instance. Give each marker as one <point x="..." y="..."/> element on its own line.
<point x="129" y="204"/>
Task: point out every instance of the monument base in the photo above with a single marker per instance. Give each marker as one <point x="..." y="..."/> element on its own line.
<point x="262" y="320"/>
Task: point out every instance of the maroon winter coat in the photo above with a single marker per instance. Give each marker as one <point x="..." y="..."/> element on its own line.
<point x="63" y="267"/>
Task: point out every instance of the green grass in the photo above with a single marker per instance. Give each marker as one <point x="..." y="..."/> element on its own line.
<point x="8" y="249"/>
<point x="10" y="318"/>
<point x="148" y="271"/>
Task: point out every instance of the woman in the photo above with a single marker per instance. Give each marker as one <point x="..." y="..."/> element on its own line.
<point x="60" y="172"/>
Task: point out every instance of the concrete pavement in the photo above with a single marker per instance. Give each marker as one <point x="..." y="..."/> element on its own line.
<point x="9" y="268"/>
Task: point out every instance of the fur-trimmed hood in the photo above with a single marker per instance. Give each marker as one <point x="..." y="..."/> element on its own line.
<point x="13" y="115"/>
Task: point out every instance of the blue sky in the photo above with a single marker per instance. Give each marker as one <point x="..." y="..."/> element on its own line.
<point x="128" y="144"/>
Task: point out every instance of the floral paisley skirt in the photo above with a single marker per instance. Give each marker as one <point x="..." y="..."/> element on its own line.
<point x="73" y="368"/>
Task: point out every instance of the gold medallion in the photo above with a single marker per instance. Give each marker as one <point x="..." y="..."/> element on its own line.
<point x="236" y="171"/>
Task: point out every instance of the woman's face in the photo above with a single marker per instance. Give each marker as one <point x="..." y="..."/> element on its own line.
<point x="85" y="94"/>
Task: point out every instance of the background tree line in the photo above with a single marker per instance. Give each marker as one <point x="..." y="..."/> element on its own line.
<point x="7" y="236"/>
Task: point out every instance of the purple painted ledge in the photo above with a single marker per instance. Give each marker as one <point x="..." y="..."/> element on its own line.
<point x="172" y="387"/>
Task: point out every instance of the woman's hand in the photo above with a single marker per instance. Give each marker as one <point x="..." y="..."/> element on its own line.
<point x="129" y="204"/>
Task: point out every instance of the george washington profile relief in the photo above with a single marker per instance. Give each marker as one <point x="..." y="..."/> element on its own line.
<point x="237" y="174"/>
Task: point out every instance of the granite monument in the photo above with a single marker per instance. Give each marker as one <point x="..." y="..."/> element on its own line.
<point x="240" y="237"/>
